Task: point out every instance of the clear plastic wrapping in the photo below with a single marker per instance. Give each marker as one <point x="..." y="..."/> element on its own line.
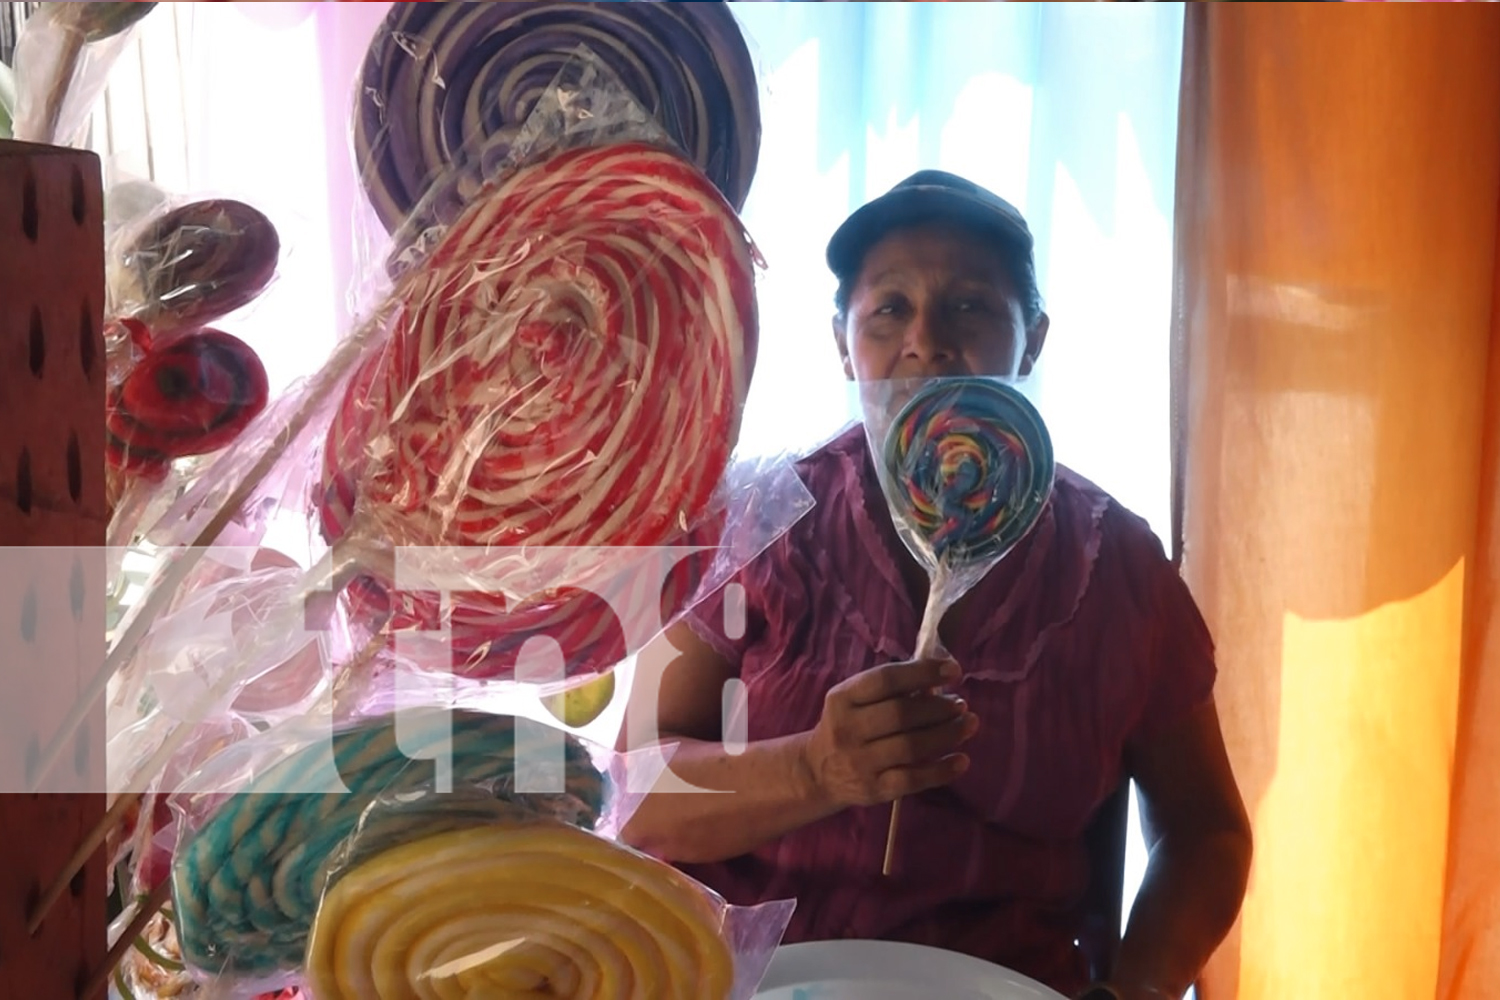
<point x="188" y="671"/>
<point x="143" y="844"/>
<point x="192" y="396"/>
<point x="966" y="467"/>
<point x="568" y="369"/>
<point x="152" y="969"/>
<point x="498" y="904"/>
<point x="470" y="614"/>
<point x="562" y="368"/>
<point x="190" y="262"/>
<point x="62" y="61"/>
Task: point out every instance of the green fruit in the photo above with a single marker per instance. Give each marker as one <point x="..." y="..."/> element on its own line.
<point x="578" y="706"/>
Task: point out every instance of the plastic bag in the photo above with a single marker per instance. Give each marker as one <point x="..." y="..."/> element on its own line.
<point x="533" y="382"/>
<point x="178" y="387"/>
<point x="187" y="670"/>
<point x="152" y="969"/>
<point x="447" y="92"/>
<point x="140" y="848"/>
<point x="263" y="819"/>
<point x="192" y="396"/>
<point x="493" y="902"/>
<point x="233" y="503"/>
<point x="966" y="467"/>
<point x="62" y="60"/>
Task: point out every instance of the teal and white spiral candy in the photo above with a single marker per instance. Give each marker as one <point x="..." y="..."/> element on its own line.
<point x="247" y="885"/>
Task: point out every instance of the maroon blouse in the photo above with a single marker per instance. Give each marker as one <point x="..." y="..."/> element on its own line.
<point x="1083" y="640"/>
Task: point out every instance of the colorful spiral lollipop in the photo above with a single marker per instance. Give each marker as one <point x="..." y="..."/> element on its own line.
<point x="971" y="463"/>
<point x="582" y="320"/>
<point x="968" y="471"/>
<point x="190" y="396"/>
<point x="448" y="85"/>
<point x="247" y="883"/>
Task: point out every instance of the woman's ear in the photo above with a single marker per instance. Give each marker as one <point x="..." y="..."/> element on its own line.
<point x="1036" y="339"/>
<point x="841" y="338"/>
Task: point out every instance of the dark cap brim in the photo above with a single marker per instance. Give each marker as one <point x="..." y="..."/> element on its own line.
<point x="913" y="206"/>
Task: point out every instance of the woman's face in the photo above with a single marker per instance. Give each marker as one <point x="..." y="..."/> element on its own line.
<point x="935" y="301"/>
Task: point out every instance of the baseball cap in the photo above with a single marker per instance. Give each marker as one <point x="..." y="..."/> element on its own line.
<point x="926" y="197"/>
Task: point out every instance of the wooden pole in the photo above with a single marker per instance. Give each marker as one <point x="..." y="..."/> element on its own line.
<point x="53" y="521"/>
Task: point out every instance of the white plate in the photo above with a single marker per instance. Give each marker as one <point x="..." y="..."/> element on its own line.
<point x="887" y="970"/>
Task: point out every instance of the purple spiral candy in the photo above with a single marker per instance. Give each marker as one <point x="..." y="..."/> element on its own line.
<point x="448" y="85"/>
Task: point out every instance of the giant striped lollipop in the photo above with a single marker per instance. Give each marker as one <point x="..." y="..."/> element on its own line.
<point x="967" y="469"/>
<point x="446" y="87"/>
<point x="568" y="369"/>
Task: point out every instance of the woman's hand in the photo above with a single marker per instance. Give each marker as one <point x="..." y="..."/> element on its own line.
<point x="889" y="732"/>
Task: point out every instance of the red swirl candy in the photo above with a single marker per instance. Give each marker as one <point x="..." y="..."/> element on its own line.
<point x="568" y="369"/>
<point x="191" y="396"/>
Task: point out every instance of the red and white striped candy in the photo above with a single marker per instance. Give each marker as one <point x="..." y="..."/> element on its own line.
<point x="568" y="370"/>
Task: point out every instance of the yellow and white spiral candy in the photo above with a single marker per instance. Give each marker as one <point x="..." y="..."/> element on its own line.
<point x="517" y="910"/>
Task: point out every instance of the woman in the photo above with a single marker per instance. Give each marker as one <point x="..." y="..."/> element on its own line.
<point x="1081" y="662"/>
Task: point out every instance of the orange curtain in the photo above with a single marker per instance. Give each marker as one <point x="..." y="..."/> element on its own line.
<point x="1338" y="414"/>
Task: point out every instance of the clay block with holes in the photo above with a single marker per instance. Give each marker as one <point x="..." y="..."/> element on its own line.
<point x="52" y="531"/>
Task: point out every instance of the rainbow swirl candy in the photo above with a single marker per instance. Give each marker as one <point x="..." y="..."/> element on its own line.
<point x="969" y="464"/>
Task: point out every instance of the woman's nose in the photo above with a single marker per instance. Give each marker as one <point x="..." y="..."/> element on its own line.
<point x="926" y="341"/>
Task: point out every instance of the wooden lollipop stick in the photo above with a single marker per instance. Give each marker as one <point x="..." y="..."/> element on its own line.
<point x="890" y="838"/>
<point x="927" y="648"/>
<point x="99" y="979"/>
<point x="79" y="858"/>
